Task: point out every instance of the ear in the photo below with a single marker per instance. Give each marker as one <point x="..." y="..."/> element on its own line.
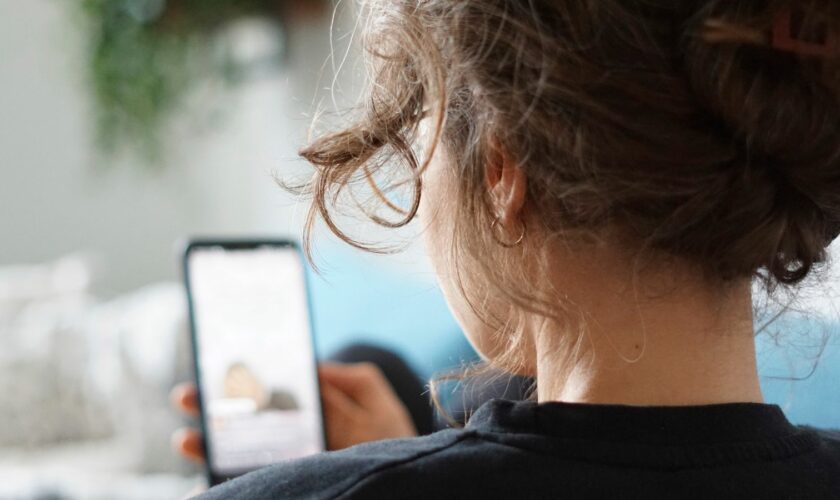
<point x="507" y="185"/>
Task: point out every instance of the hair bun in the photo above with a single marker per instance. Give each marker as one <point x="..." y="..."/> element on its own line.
<point x="775" y="97"/>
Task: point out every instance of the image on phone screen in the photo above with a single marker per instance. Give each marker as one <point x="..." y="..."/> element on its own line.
<point x="256" y="368"/>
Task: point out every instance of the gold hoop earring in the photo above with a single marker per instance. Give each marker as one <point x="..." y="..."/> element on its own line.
<point x="505" y="244"/>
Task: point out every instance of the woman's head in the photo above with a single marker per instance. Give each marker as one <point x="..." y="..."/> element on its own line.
<point x="673" y="129"/>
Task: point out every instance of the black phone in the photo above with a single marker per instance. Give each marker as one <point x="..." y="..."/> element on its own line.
<point x="253" y="352"/>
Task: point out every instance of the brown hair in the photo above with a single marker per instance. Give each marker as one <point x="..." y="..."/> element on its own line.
<point x="703" y="143"/>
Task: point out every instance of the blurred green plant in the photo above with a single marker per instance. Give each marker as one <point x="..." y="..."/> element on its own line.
<point x="146" y="55"/>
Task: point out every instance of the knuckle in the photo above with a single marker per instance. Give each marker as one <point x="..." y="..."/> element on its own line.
<point x="369" y="370"/>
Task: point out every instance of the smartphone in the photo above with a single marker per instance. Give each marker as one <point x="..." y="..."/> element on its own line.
<point x="253" y="353"/>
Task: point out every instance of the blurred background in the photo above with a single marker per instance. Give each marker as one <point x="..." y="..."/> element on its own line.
<point x="129" y="125"/>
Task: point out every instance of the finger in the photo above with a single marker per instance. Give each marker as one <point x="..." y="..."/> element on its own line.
<point x="187" y="442"/>
<point x="363" y="382"/>
<point x="184" y="397"/>
<point x="352" y="377"/>
<point x="339" y="417"/>
<point x="336" y="402"/>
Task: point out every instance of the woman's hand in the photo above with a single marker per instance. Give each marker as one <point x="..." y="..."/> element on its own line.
<point x="359" y="406"/>
<point x="187" y="441"/>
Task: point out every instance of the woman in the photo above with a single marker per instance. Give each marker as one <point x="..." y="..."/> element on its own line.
<point x="599" y="184"/>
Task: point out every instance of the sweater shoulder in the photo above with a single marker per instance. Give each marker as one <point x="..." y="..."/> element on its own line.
<point x="831" y="438"/>
<point x="335" y="474"/>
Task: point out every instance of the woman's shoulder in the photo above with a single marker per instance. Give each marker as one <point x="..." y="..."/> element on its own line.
<point x="830" y="437"/>
<point x="469" y="460"/>
<point x="337" y="474"/>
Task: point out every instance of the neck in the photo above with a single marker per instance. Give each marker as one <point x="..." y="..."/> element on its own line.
<point x="691" y="345"/>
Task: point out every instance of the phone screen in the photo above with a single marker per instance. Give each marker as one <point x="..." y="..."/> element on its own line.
<point x="256" y="368"/>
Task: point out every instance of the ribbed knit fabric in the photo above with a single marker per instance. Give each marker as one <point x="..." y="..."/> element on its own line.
<point x="666" y="437"/>
<point x="524" y="450"/>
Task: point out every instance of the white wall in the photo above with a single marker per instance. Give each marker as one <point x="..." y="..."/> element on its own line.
<point x="55" y="198"/>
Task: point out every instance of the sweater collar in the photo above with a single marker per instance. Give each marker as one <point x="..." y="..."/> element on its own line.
<point x="664" y="437"/>
<point x="667" y="425"/>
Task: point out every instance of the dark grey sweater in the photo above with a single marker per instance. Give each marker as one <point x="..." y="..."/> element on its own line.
<point x="562" y="451"/>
